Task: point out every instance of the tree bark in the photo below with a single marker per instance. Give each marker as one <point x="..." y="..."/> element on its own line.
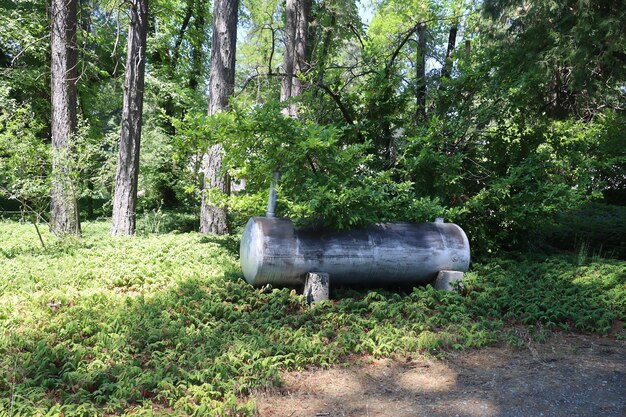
<point x="302" y="36"/>
<point x="447" y="66"/>
<point x="420" y="82"/>
<point x="560" y="95"/>
<point x="181" y="34"/>
<point x="125" y="201"/>
<point x="197" y="53"/>
<point x="64" y="211"/>
<point x="295" y="57"/>
<point x="290" y="42"/>
<point x="213" y="219"/>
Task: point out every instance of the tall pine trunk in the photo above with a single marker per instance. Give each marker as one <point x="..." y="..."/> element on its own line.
<point x="213" y="219"/>
<point x="125" y="201"/>
<point x="294" y="59"/>
<point x="197" y="54"/>
<point x="290" y="36"/>
<point x="302" y="37"/>
<point x="64" y="212"/>
<point x="447" y="65"/>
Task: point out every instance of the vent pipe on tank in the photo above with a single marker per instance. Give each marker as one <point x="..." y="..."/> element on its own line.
<point x="271" y="202"/>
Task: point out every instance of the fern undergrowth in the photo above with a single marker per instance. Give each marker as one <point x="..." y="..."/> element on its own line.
<point x="165" y="325"/>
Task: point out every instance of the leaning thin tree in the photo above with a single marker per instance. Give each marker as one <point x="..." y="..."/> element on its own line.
<point x="64" y="213"/>
<point x="213" y="219"/>
<point x="125" y="200"/>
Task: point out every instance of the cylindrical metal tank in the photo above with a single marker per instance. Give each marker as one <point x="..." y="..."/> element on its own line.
<point x="273" y="252"/>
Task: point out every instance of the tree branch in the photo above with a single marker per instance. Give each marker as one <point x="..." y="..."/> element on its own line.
<point x="181" y="33"/>
<point x="347" y="114"/>
<point x="269" y="64"/>
<point x="404" y="38"/>
<point x="27" y="47"/>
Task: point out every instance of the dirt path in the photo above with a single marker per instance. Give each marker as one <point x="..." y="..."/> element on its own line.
<point x="567" y="376"/>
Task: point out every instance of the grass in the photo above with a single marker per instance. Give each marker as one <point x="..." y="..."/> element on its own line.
<point x="165" y="325"/>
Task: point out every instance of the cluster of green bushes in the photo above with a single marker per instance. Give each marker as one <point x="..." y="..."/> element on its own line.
<point x="502" y="184"/>
<point x="165" y="324"/>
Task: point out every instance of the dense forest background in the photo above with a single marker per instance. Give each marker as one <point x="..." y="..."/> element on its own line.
<point x="156" y="117"/>
<point x="503" y="116"/>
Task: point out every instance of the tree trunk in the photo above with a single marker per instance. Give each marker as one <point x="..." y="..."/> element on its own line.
<point x="222" y="84"/>
<point x="447" y="66"/>
<point x="125" y="201"/>
<point x="213" y="219"/>
<point x="295" y="62"/>
<point x="300" y="63"/>
<point x="181" y="34"/>
<point x="560" y="96"/>
<point x="64" y="210"/>
<point x="290" y="42"/>
<point x="197" y="53"/>
<point x="90" y="199"/>
<point x="420" y="82"/>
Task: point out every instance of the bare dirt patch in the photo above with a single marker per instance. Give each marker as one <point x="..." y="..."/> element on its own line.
<point x="569" y="375"/>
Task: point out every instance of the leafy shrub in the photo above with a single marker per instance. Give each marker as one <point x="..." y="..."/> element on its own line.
<point x="324" y="180"/>
<point x="596" y="229"/>
<point x="24" y="157"/>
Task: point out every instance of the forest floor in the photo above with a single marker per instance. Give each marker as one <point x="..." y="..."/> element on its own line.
<point x="567" y="375"/>
<point x="163" y="324"/>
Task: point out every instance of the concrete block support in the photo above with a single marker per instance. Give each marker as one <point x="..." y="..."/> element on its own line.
<point x="316" y="287"/>
<point x="446" y="279"/>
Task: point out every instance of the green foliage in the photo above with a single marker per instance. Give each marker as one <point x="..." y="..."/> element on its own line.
<point x="165" y="324"/>
<point x="528" y="124"/>
<point x="24" y="158"/>
<point x="540" y="173"/>
<point x="506" y="181"/>
<point x="160" y="177"/>
<point x="323" y="178"/>
<point x="177" y="72"/>
<point x="595" y="229"/>
<point x="556" y="292"/>
<point x="565" y="58"/>
<point x="24" y="54"/>
<point x="161" y="220"/>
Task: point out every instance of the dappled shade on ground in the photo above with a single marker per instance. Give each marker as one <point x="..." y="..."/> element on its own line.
<point x="164" y="324"/>
<point x="565" y="376"/>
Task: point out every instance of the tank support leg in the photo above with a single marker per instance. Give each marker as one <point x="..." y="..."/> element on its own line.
<point x="446" y="279"/>
<point x="316" y="287"/>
